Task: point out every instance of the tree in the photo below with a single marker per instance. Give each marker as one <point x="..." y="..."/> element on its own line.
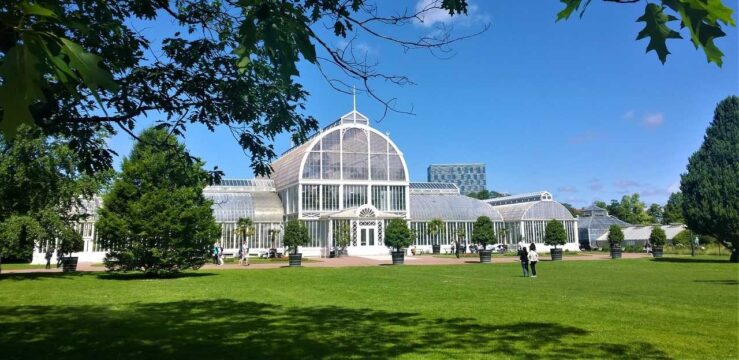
<point x="710" y="186"/>
<point x="630" y="209"/>
<point x="555" y="234"/>
<point x="342" y="237"/>
<point x="75" y="67"/>
<point x="245" y="228"/>
<point x="572" y="210"/>
<point x="502" y="234"/>
<point x="601" y="204"/>
<point x="435" y="228"/>
<point x="656" y="214"/>
<point x="398" y="235"/>
<point x="41" y="193"/>
<point x="296" y="234"/>
<point x="615" y="236"/>
<point x="683" y="238"/>
<point x="657" y="237"/>
<point x="673" y="210"/>
<point x="482" y="232"/>
<point x="155" y="217"/>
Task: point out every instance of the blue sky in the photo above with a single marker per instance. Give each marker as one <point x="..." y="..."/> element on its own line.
<point x="576" y="107"/>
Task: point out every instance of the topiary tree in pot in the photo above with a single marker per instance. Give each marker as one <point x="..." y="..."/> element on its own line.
<point x="435" y="228"/>
<point x="296" y="235"/>
<point x="397" y="237"/>
<point x="657" y="238"/>
<point x="554" y="235"/>
<point x="615" y="238"/>
<point x="483" y="234"/>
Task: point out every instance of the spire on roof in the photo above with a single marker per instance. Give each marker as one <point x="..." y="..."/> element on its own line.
<point x="354" y="92"/>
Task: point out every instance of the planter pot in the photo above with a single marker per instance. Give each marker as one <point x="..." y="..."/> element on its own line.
<point x="398" y="257"/>
<point x="615" y="253"/>
<point x="69" y="264"/>
<point x="657" y="251"/>
<point x="556" y="254"/>
<point x="486" y="256"/>
<point x="436" y="248"/>
<point x="295" y="259"/>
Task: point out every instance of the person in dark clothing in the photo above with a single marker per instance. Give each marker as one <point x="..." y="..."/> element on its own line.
<point x="523" y="255"/>
<point x="456" y="248"/>
<point x="49" y="254"/>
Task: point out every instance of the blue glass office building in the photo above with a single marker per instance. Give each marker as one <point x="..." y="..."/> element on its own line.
<point x="468" y="177"/>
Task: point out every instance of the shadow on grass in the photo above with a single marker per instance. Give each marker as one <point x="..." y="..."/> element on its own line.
<point x="719" y="282"/>
<point x="40" y="275"/>
<point x="144" y="276"/>
<point x="235" y="329"/>
<point x="691" y="260"/>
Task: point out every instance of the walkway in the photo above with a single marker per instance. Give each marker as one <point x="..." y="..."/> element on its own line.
<point x="347" y="261"/>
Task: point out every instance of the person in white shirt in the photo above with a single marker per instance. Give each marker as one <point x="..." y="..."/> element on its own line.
<point x="533" y="259"/>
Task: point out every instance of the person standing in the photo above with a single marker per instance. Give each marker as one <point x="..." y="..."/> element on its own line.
<point x="220" y="254"/>
<point x="456" y="248"/>
<point x="214" y="252"/>
<point x="523" y="255"/>
<point x="533" y="259"/>
<point x="49" y="254"/>
<point x="244" y="252"/>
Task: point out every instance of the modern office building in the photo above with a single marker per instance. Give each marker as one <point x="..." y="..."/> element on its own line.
<point x="468" y="177"/>
<point x="351" y="177"/>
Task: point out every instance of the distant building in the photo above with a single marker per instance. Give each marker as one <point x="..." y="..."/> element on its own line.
<point x="595" y="222"/>
<point x="639" y="235"/>
<point x="468" y="177"/>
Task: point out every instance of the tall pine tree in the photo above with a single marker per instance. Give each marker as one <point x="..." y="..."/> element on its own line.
<point x="710" y="187"/>
<point x="155" y="217"/>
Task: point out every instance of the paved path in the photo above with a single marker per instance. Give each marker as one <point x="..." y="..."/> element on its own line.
<point x="346" y="261"/>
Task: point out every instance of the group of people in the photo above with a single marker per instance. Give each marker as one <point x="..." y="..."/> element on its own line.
<point x="217" y="253"/>
<point x="529" y="258"/>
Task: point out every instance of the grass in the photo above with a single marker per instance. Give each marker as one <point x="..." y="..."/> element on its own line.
<point x="24" y="266"/>
<point x="678" y="307"/>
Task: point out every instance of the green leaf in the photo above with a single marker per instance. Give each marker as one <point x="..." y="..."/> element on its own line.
<point x="87" y="65"/>
<point x="38" y="10"/>
<point x="702" y="20"/>
<point x="570" y="7"/>
<point x="655" y="27"/>
<point x="21" y="87"/>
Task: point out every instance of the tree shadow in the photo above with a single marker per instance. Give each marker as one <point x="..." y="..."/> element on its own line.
<point x="691" y="260"/>
<point x="144" y="276"/>
<point x="719" y="282"/>
<point x="239" y="329"/>
<point x="39" y="275"/>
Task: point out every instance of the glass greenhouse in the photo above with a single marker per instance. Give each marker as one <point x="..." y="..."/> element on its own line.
<point x="595" y="222"/>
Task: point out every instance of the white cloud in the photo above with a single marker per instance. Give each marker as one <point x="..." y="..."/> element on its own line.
<point x="595" y="185"/>
<point x="567" y="189"/>
<point x="629" y="115"/>
<point x="653" y="120"/>
<point x="432" y="14"/>
<point x="675" y="187"/>
<point x="626" y="184"/>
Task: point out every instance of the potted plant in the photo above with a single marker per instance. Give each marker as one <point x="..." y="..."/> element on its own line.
<point x="341" y="239"/>
<point x="296" y="235"/>
<point x="657" y="238"/>
<point x="244" y="228"/>
<point x="483" y="234"/>
<point x="435" y="228"/>
<point x="397" y="237"/>
<point x="554" y="235"/>
<point x="615" y="238"/>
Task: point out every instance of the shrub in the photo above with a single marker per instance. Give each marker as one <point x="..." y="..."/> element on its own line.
<point x="657" y="237"/>
<point x="483" y="232"/>
<point x="296" y="234"/>
<point x="555" y="234"/>
<point x="398" y="235"/>
<point x="615" y="236"/>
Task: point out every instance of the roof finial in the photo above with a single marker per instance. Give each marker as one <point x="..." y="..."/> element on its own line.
<point x="354" y="92"/>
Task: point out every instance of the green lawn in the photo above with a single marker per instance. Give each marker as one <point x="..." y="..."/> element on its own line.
<point x="677" y="308"/>
<point x="22" y="266"/>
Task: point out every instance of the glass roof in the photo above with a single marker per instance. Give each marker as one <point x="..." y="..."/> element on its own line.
<point x="537" y="210"/>
<point x="520" y="198"/>
<point x="433" y="188"/>
<point x="424" y="207"/>
<point x="643" y="232"/>
<point x="258" y="206"/>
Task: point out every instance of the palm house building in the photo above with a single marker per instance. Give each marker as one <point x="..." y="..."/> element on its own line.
<point x="350" y="178"/>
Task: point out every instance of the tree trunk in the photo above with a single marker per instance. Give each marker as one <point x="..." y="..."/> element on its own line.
<point x="734" y="256"/>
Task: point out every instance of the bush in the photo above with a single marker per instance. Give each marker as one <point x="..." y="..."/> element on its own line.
<point x="615" y="235"/>
<point x="483" y="232"/>
<point x="657" y="237"/>
<point x="555" y="234"/>
<point x="296" y="234"/>
<point x="398" y="235"/>
<point x="684" y="238"/>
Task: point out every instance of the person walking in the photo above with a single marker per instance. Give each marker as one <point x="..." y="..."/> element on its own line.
<point x="244" y="254"/>
<point x="456" y="248"/>
<point x="533" y="259"/>
<point x="49" y="254"/>
<point x="220" y="254"/>
<point x="214" y="252"/>
<point x="523" y="255"/>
